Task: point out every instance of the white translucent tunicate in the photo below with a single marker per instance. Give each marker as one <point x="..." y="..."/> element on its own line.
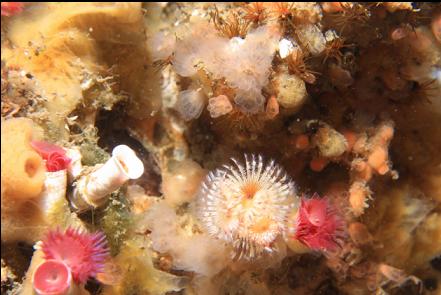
<point x="285" y="47"/>
<point x="190" y="104"/>
<point x="250" y="102"/>
<point x="199" y="44"/>
<point x="236" y="43"/>
<point x="185" y="60"/>
<point x="248" y="67"/>
<point x="196" y="252"/>
<point x="219" y="106"/>
<point x="245" y="64"/>
<point x="311" y="38"/>
<point x="162" y="45"/>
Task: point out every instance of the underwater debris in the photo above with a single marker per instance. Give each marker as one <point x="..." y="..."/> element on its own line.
<point x="246" y="205"/>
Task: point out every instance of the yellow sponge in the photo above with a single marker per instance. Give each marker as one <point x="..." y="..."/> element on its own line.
<point x="22" y="169"/>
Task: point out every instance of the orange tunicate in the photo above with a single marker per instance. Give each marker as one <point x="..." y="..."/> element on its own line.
<point x="377" y="158"/>
<point x="302" y="142"/>
<point x="383" y="169"/>
<point x="351" y="138"/>
<point x="359" y="165"/>
<point x="363" y="170"/>
<point x="358" y="196"/>
<point x="366" y="174"/>
<point x="272" y="107"/>
<point x="318" y="164"/>
<point x="359" y="146"/>
<point x="386" y="133"/>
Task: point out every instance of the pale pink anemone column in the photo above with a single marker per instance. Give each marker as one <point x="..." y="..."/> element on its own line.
<point x="52" y="277"/>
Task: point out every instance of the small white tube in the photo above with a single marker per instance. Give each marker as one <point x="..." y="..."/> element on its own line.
<point x="93" y="188"/>
<point x="54" y="191"/>
<point x="75" y="167"/>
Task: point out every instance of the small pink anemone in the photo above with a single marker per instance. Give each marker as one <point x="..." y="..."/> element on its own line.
<point x="319" y="226"/>
<point x="52" y="277"/>
<point x="54" y="155"/>
<point x="11" y="8"/>
<point x="84" y="253"/>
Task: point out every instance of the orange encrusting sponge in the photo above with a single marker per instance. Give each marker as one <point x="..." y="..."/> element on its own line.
<point x="22" y="169"/>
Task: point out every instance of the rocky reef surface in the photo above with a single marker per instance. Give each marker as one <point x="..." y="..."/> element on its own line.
<point x="221" y="148"/>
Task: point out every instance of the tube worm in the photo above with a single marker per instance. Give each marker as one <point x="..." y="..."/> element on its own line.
<point x="54" y="190"/>
<point x="75" y="167"/>
<point x="92" y="189"/>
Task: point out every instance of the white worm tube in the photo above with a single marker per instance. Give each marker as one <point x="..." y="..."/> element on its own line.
<point x="75" y="167"/>
<point x="92" y="189"/>
<point x="54" y="190"/>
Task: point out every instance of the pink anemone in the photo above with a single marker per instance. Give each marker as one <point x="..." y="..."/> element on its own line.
<point x="319" y="226"/>
<point x="84" y="253"/>
<point x="54" y="155"/>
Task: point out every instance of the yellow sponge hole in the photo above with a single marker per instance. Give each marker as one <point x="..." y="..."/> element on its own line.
<point x="22" y="169"/>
